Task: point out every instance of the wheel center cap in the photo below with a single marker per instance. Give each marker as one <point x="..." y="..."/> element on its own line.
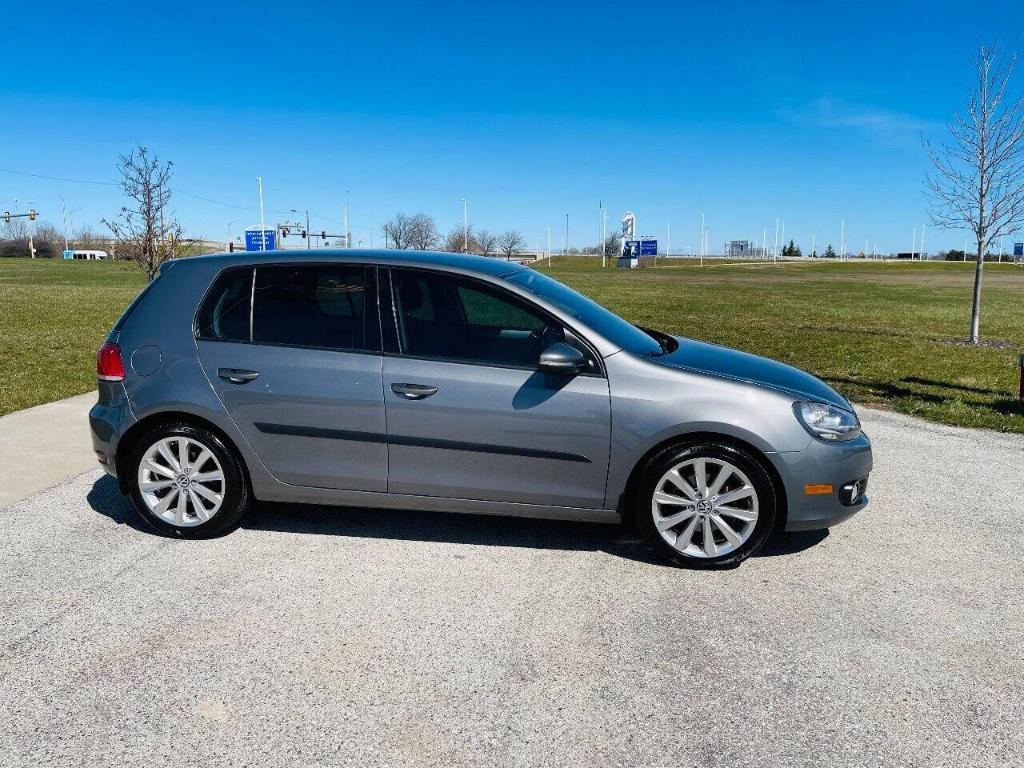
<point x="183" y="480"/>
<point x="704" y="506"/>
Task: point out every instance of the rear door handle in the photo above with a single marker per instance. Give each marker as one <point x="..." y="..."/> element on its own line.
<point x="413" y="391"/>
<point x="238" y="375"/>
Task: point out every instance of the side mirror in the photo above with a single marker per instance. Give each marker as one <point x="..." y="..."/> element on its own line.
<point x="562" y="358"/>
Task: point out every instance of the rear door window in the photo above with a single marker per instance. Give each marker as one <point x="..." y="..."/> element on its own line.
<point x="329" y="306"/>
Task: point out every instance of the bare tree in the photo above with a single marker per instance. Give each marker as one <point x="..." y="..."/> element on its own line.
<point x="47" y="240"/>
<point x="485" y="242"/>
<point x="510" y="242"/>
<point x="422" y="233"/>
<point x="146" y="230"/>
<point x="396" y="231"/>
<point x="455" y="240"/>
<point x="978" y="183"/>
<point x="85" y="238"/>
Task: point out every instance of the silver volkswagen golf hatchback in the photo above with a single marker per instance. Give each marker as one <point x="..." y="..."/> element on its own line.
<point x="398" y="379"/>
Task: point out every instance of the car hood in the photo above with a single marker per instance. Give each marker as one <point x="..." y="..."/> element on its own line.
<point x="711" y="359"/>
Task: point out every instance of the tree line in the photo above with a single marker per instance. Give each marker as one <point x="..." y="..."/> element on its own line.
<point x="419" y="232"/>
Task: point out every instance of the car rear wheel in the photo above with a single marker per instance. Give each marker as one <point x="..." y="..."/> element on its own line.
<point x="705" y="505"/>
<point x="186" y="482"/>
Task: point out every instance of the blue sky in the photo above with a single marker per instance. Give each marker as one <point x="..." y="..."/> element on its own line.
<point x="810" y="112"/>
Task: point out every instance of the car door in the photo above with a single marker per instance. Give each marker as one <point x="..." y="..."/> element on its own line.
<point x="469" y="415"/>
<point x="293" y="352"/>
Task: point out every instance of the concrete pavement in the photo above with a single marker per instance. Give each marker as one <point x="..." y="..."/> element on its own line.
<point x="44" y="445"/>
<point x="315" y="636"/>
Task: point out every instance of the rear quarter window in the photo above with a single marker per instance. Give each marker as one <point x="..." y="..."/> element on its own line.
<point x="225" y="312"/>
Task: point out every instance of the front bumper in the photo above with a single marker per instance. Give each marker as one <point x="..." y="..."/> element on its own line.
<point x="806" y="473"/>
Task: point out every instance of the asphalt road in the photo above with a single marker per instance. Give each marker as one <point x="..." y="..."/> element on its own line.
<point x="330" y="637"/>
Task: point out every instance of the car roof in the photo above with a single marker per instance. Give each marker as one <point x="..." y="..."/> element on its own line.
<point x="483" y="265"/>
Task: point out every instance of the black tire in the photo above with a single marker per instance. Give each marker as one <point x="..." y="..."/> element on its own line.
<point x="749" y="465"/>
<point x="234" y="491"/>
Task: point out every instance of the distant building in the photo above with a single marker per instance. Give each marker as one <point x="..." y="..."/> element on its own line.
<point x="739" y="248"/>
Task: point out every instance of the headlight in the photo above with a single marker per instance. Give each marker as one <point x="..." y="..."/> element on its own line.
<point x="827" y="422"/>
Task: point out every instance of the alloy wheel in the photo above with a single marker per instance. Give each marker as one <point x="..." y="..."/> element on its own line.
<point x="181" y="481"/>
<point x="705" y="507"/>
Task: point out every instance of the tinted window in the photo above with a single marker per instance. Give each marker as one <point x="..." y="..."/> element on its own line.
<point x="329" y="306"/>
<point x="225" y="313"/>
<point x="456" y="319"/>
<point x="591" y="314"/>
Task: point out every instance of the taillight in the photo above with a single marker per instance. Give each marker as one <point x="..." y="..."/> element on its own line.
<point x="108" y="362"/>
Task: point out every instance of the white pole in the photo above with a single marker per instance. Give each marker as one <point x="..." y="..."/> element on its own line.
<point x="64" y="213"/>
<point x="764" y="243"/>
<point x="668" y="240"/>
<point x="348" y="234"/>
<point x="465" y="226"/>
<point x="600" y="231"/>
<point x="604" y="236"/>
<point x="913" y="244"/>
<point x="549" y="246"/>
<point x="922" y="242"/>
<point x="263" y="236"/>
<point x="965" y="250"/>
<point x="842" y="239"/>
<point x="783" y="236"/>
<point x="566" y="248"/>
<point x="775" y="253"/>
<point x="702" y="242"/>
<point x="812" y="244"/>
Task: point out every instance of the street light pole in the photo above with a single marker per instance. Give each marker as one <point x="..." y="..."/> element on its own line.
<point x="465" y="226"/>
<point x="64" y="213"/>
<point x="263" y="234"/>
<point x="566" y="249"/>
<point x="549" y="246"/>
<point x="348" y="234"/>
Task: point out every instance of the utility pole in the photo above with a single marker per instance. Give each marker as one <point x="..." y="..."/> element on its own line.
<point x="842" y="239"/>
<point x="668" y="243"/>
<point x="348" y="233"/>
<point x="764" y="242"/>
<point x="702" y="243"/>
<point x="465" y="226"/>
<point x="913" y="243"/>
<point x="922" y="242"/>
<point x="775" y="253"/>
<point x="566" y="249"/>
<point x="64" y="213"/>
<point x="600" y="231"/>
<point x="549" y="245"/>
<point x="604" y="236"/>
<point x="263" y="234"/>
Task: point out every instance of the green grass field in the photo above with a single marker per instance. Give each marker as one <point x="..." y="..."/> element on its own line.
<point x="888" y="335"/>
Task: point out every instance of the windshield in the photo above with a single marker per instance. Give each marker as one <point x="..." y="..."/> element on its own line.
<point x="591" y="314"/>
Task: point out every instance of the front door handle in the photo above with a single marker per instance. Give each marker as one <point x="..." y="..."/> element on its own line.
<point x="238" y="375"/>
<point x="413" y="391"/>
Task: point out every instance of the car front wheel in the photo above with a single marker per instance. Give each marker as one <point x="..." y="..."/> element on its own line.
<point x="186" y="482"/>
<point x="705" y="505"/>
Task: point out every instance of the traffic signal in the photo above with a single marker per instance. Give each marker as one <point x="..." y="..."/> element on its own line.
<point x="303" y="234"/>
<point x="31" y="214"/>
<point x="7" y="217"/>
<point x="323" y="234"/>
